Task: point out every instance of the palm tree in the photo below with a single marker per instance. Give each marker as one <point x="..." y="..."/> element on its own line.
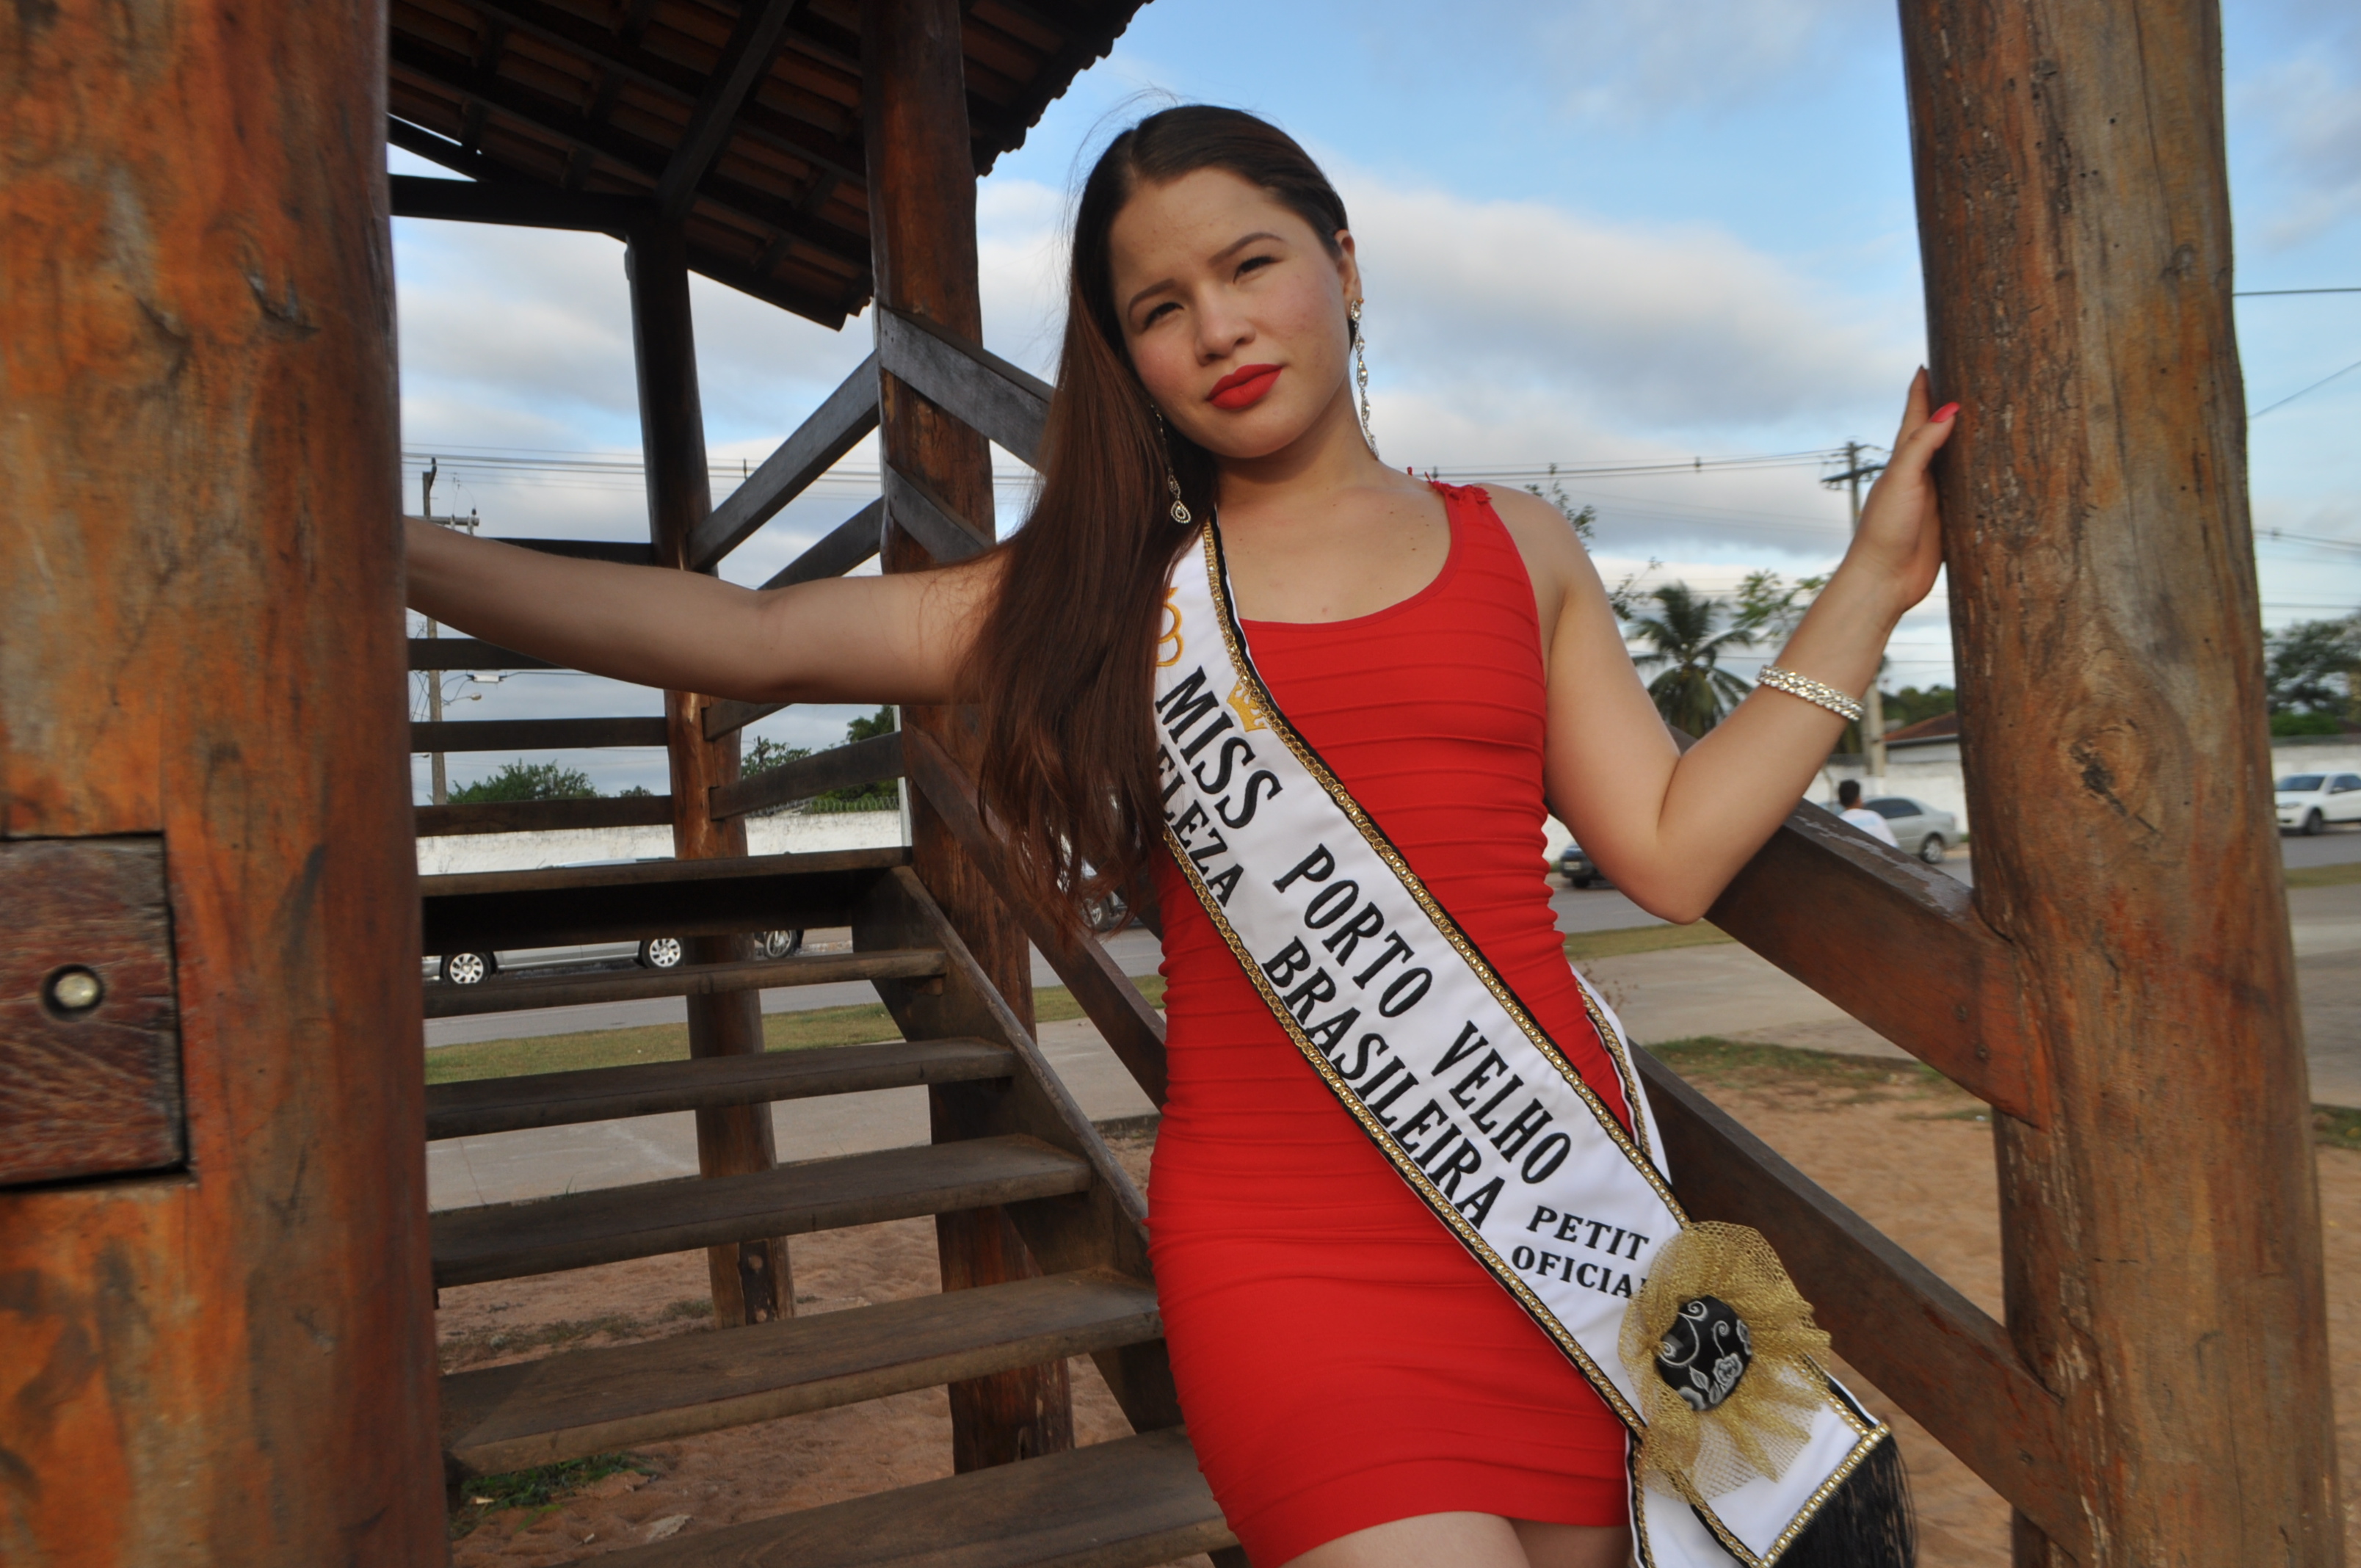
<point x="1693" y="691"/>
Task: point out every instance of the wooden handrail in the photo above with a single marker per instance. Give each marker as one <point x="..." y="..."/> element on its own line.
<point x="1123" y="1018"/>
<point x="967" y="381"/>
<point x="543" y="816"/>
<point x="845" y="416"/>
<point x="1896" y="944"/>
<point x="1928" y="1348"/>
<point x="862" y="762"/>
<point x="932" y="521"/>
<point x="516" y="201"/>
<point x="533" y="734"/>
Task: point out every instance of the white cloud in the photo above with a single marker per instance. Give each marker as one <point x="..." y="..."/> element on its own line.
<point x="1637" y="62"/>
<point x="2307" y="109"/>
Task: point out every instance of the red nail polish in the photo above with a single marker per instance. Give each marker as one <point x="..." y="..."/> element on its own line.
<point x="1939" y="415"/>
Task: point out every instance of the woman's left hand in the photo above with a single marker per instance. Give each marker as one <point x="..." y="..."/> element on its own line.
<point x="1901" y="538"/>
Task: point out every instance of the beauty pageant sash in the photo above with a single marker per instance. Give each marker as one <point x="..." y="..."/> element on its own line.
<point x="1441" y="1064"/>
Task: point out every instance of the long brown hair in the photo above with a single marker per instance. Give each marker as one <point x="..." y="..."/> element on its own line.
<point x="1061" y="663"/>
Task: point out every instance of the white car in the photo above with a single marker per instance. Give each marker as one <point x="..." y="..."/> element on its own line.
<point x="2309" y="802"/>
<point x="1918" y="828"/>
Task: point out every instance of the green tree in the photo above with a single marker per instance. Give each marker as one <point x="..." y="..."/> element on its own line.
<point x="766" y="754"/>
<point x="2310" y="666"/>
<point x="1692" y="692"/>
<point x="1584" y="518"/>
<point x="1911" y="705"/>
<point x="521" y="780"/>
<point x="881" y="794"/>
<point x="1770" y="606"/>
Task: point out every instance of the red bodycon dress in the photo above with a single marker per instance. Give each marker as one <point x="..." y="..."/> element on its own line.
<point x="1342" y="1360"/>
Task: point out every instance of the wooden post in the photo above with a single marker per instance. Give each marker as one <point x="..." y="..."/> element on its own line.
<point x="221" y="1351"/>
<point x="2162" y="1237"/>
<point x="751" y="1281"/>
<point x="922" y="237"/>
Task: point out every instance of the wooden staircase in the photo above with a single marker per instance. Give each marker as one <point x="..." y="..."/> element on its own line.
<point x="1024" y="1146"/>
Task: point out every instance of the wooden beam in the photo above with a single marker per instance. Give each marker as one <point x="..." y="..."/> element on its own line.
<point x="837" y="426"/>
<point x="468" y="654"/>
<point x="2162" y="1234"/>
<point x="543" y="816"/>
<point x="929" y="519"/>
<point x="517" y="203"/>
<point x="1927" y="1347"/>
<point x="849" y="544"/>
<point x="745" y="59"/>
<point x="921" y="184"/>
<point x="233" y="1363"/>
<point x="620" y="55"/>
<point x="750" y="1278"/>
<point x="1876" y="915"/>
<point x="1132" y="1028"/>
<point x="967" y="381"/>
<point x="840" y="767"/>
<point x="641" y="156"/>
<point x="533" y="734"/>
<point x="754" y="280"/>
<point x="622" y="551"/>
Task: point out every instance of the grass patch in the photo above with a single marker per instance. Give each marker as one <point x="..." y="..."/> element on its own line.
<point x="2334" y="1127"/>
<point x="2324" y="876"/>
<point x="1584" y="946"/>
<point x="539" y="1487"/>
<point x="821" y="1026"/>
<point x="1712" y="1062"/>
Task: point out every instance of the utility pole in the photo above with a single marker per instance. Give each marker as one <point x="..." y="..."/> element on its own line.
<point x="1872" y="722"/>
<point x="441" y="793"/>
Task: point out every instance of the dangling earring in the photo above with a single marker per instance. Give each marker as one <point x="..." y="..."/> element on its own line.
<point x="1361" y="374"/>
<point x="1171" y="480"/>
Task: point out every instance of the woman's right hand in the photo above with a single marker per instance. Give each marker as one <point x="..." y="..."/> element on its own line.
<point x="869" y="639"/>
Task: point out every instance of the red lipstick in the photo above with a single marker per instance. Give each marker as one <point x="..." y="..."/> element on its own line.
<point x="1244" y="388"/>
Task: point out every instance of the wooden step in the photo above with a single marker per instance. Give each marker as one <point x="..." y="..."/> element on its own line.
<point x="589" y="1401"/>
<point x="486" y="911"/>
<point x="1126" y="1504"/>
<point x="502" y="1241"/>
<point x="650" y="1089"/>
<point x="516" y="993"/>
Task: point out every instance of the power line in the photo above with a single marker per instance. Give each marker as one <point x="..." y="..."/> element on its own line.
<point x="2270" y="293"/>
<point x="2314" y="388"/>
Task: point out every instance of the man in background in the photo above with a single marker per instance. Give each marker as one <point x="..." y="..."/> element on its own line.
<point x="1849" y="808"/>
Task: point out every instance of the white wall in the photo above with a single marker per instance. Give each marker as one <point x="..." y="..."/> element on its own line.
<point x="786" y="834"/>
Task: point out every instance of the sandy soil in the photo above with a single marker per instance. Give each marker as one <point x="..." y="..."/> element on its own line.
<point x="1918" y="1167"/>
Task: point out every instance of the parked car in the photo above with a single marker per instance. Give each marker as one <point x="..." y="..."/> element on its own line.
<point x="2309" y="802"/>
<point x="652" y="953"/>
<point x="1918" y="828"/>
<point x="1579" y="868"/>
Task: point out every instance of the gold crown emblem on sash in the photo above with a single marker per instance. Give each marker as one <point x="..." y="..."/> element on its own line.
<point x="1247" y="706"/>
<point x="1169" y="635"/>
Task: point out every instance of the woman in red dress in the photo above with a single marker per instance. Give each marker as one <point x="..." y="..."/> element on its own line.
<point x="1359" y="1392"/>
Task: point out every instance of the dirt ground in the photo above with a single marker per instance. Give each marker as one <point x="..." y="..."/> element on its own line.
<point x="1918" y="1165"/>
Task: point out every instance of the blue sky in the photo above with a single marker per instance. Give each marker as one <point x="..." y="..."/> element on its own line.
<point x="1591" y="231"/>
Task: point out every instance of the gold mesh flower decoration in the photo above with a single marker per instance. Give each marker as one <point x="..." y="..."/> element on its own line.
<point x="1723" y="1348"/>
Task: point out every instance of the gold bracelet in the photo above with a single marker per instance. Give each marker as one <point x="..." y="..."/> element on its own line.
<point x="1811" y="691"/>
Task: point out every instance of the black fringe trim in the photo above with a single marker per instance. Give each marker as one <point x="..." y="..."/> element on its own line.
<point x="1869" y="1523"/>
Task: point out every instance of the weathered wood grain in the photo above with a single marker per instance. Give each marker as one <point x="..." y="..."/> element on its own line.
<point x="475" y="1106"/>
<point x="1131" y="1503"/>
<point x="2162" y="1233"/>
<point x="533" y="734"/>
<point x="592" y="1401"/>
<point x="200" y="641"/>
<point x="91" y="1090"/>
<point x="505" y="1240"/>
<point x="751" y="1277"/>
<point x="1850" y="917"/>
<point x="1132" y="1028"/>
<point x="966" y="379"/>
<point x="921" y="182"/>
